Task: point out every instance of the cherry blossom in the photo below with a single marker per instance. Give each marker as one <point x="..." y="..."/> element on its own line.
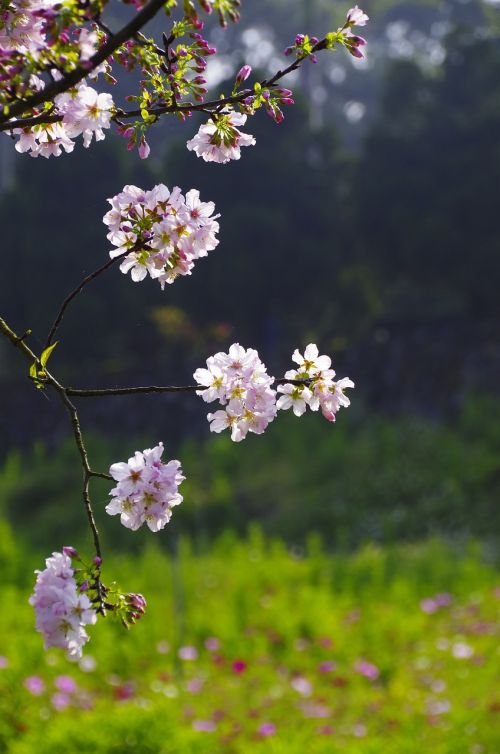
<point x="319" y="391"/>
<point x="147" y="489"/>
<point x="239" y="381"/>
<point x="220" y="140"/>
<point x="84" y="112"/>
<point x="163" y="231"/>
<point x="357" y="17"/>
<point x="61" y="609"/>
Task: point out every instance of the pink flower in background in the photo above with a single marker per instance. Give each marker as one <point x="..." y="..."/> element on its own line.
<point x="302" y="686"/>
<point x="4" y="663"/>
<point x="204" y="726"/>
<point x="267" y="729"/>
<point x="188" y="653"/>
<point x="367" y="669"/>
<point x="60" y="701"/>
<point x="66" y="684"/>
<point x="327" y="667"/>
<point x="239" y="666"/>
<point x="35" y="685"/>
<point x="431" y="605"/>
<point x="212" y="644"/>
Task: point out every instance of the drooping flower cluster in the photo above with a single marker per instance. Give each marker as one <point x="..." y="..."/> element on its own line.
<point x="62" y="611"/>
<point x="239" y="380"/>
<point x="220" y="140"/>
<point x="84" y="112"/>
<point x="164" y="232"/>
<point x="319" y="390"/>
<point x="147" y="490"/>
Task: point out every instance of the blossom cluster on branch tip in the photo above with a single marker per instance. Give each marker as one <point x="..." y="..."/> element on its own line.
<point x="319" y="390"/>
<point x="239" y="380"/>
<point x="61" y="609"/>
<point x="220" y="140"/>
<point x="147" y="489"/>
<point x="163" y="231"/>
<point x="305" y="47"/>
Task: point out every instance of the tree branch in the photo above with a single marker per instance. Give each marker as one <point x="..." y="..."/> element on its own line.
<point x="69" y="298"/>
<point x="18" y="342"/>
<point x="69" y="80"/>
<point x="188" y="107"/>
<point x="114" y="391"/>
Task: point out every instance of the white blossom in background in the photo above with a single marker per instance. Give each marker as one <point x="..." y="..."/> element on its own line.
<point x="220" y="140"/>
<point x="239" y="381"/>
<point x="172" y="231"/>
<point x="147" y="490"/>
<point x="320" y="390"/>
<point x="61" y="610"/>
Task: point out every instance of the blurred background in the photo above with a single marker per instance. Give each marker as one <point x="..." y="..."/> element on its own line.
<point x="367" y="223"/>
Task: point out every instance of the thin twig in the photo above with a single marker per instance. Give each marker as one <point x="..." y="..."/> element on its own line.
<point x="18" y="342"/>
<point x="69" y="298"/>
<point x="114" y="391"/>
<point x="187" y="107"/>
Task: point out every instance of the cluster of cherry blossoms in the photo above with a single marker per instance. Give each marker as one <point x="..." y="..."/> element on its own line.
<point x="160" y="232"/>
<point x="62" y="610"/>
<point x="239" y="381"/>
<point x="220" y="140"/>
<point x="147" y="490"/>
<point x="28" y="27"/>
<point x="84" y="112"/>
<point x="319" y="389"/>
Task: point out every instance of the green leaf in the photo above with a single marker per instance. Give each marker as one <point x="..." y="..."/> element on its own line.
<point x="46" y="354"/>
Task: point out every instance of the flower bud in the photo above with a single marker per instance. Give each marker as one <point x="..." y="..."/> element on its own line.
<point x="71" y="552"/>
<point x="243" y="74"/>
<point x="144" y="149"/>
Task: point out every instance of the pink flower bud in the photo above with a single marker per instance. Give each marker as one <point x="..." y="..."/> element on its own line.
<point x="243" y="74"/>
<point x="144" y="149"/>
<point x="71" y="552"/>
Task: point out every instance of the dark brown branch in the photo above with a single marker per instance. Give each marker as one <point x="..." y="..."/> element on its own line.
<point x="71" y="79"/>
<point x="18" y="342"/>
<point x="212" y="106"/>
<point x="69" y="298"/>
<point x="107" y="392"/>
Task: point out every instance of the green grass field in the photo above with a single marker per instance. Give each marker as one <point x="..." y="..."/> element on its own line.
<point x="253" y="647"/>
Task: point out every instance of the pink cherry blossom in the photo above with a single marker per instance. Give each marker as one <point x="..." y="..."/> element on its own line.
<point x="61" y="610"/>
<point x="357" y="17"/>
<point x="220" y="140"/>
<point x="147" y="490"/>
<point x="163" y="232"/>
<point x="319" y="391"/>
<point x="239" y="381"/>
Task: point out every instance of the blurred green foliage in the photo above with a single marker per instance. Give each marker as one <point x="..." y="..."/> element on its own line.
<point x="291" y="629"/>
<point x="381" y="479"/>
